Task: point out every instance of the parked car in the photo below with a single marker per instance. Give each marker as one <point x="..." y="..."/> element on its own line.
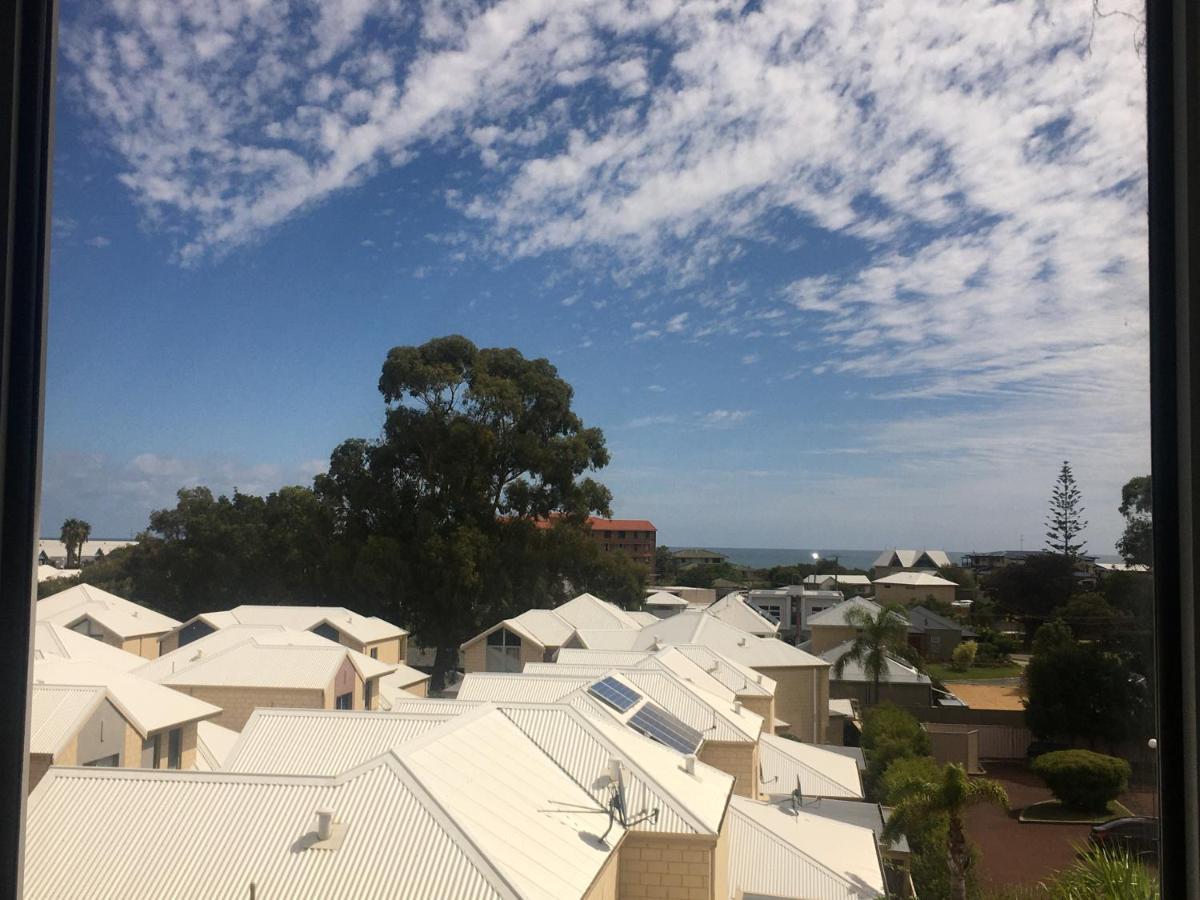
<point x="1136" y="834"/>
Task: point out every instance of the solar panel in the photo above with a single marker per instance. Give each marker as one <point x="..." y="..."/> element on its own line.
<point x="659" y="724"/>
<point x="615" y="694"/>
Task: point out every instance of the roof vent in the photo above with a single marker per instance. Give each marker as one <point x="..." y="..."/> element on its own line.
<point x="758" y="678"/>
<point x="324" y="824"/>
<point x="330" y="835"/>
<point x="741" y="642"/>
<point x="658" y="644"/>
<point x="689" y="763"/>
<point x="737" y="706"/>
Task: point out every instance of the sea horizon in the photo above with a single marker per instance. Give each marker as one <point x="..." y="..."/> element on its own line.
<point x="766" y="557"/>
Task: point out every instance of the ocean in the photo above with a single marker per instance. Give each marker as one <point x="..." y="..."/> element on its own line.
<point x="766" y="557"/>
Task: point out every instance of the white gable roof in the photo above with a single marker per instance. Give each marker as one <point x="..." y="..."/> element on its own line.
<point x="836" y="615"/>
<point x="897" y="672"/>
<point x="147" y="706"/>
<point x="364" y="629"/>
<point x="120" y="616"/>
<point x="589" y="611"/>
<point x="777" y="851"/>
<point x="749" y="650"/>
<point x="860" y="580"/>
<point x="213" y="745"/>
<point x="662" y="598"/>
<point x="734" y="610"/>
<point x="50" y="641"/>
<point x="910" y="558"/>
<point x="919" y="579"/>
<point x="47" y="573"/>
<point x="57" y="712"/>
<point x="820" y="772"/>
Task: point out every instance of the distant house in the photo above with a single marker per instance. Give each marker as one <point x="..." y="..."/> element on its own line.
<point x="635" y="537"/>
<point x="830" y="627"/>
<point x="1110" y="568"/>
<point x="106" y="617"/>
<point x="723" y="586"/>
<point x="750" y="618"/>
<point x="902" y="684"/>
<point x="696" y="597"/>
<point x="890" y="562"/>
<point x="912" y="588"/>
<point x="697" y="556"/>
<point x="986" y="563"/>
<point x="934" y="636"/>
<point x="793" y="604"/>
<point x="836" y="582"/>
<point x="661" y="604"/>
<point x="54" y="553"/>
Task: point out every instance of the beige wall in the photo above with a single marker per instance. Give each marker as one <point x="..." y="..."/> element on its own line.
<point x="103" y="734"/>
<point x="913" y="594"/>
<point x="168" y="642"/>
<point x="391" y="651"/>
<point x="605" y="886"/>
<point x="762" y="706"/>
<point x="238" y="702"/>
<point x="671" y="867"/>
<point x="802" y="700"/>
<point x="420" y="689"/>
<point x="826" y="637"/>
<point x="474" y="654"/>
<point x="737" y="759"/>
<point x="145" y="646"/>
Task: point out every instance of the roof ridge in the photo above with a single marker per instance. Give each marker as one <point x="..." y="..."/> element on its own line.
<point x="774" y="836"/>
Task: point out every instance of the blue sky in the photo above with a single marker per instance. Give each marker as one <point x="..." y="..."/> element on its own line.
<point x="826" y="274"/>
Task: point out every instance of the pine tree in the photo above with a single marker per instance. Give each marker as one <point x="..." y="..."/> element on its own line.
<point x="1064" y="522"/>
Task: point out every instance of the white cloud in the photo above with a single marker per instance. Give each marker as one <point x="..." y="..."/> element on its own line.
<point x="677" y="323"/>
<point x="99" y="241"/>
<point x="723" y="418"/>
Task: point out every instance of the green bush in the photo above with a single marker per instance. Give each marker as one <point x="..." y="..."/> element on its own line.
<point x="963" y="656"/>
<point x="889" y="733"/>
<point x="1081" y="779"/>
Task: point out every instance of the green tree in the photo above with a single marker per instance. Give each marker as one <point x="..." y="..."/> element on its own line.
<point x="1092" y="617"/>
<point x="889" y="733"/>
<point x="1065" y="523"/>
<point x="666" y="566"/>
<point x="919" y="800"/>
<point x="74" y="535"/>
<point x="1080" y="692"/>
<point x="1032" y="590"/>
<point x="963" y="656"/>
<point x="1137" y="506"/>
<point x="443" y="514"/>
<point x="879" y="635"/>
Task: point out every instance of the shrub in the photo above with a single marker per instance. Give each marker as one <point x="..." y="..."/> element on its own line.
<point x="890" y="733"/>
<point x="963" y="656"/>
<point x="1082" y="779"/>
<point x="1111" y="874"/>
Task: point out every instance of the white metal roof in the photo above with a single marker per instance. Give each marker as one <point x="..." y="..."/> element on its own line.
<point x="781" y="852"/>
<point x="57" y="712"/>
<point x="740" y="679"/>
<point x="583" y="657"/>
<point x="836" y="615"/>
<point x="917" y="579"/>
<point x="843" y="707"/>
<point x="120" y="616"/>
<point x="395" y="684"/>
<point x="471" y="809"/>
<point x="839" y="578"/>
<point x="820" y="772"/>
<point x="897" y="672"/>
<point x="608" y="638"/>
<point x="319" y="742"/>
<point x="213" y="744"/>
<point x="642" y="617"/>
<point x="50" y="640"/>
<point x="260" y="656"/>
<point x="365" y="629"/>
<point x="734" y="610"/>
<point x="501" y="686"/>
<point x="322" y="741"/>
<point x="148" y="707"/>
<point x="662" y="598"/>
<point x="589" y="611"/>
<point x="700" y="628"/>
<point x="55" y="549"/>
<point x="47" y="573"/>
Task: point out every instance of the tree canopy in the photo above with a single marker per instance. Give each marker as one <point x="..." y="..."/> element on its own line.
<point x="1065" y="521"/>
<point x="1137" y="506"/>
<point x="74" y="534"/>
<point x="1033" y="590"/>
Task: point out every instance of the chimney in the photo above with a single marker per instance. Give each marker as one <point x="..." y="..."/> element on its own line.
<point x="324" y="824"/>
<point x="737" y="706"/>
<point x="689" y="763"/>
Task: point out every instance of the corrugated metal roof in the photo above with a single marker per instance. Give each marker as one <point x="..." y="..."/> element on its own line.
<point x="322" y="742"/>
<point x="544" y="625"/>
<point x="48" y="573"/>
<point x="863" y="814"/>
<point x="820" y="773"/>
<point x="607" y="638"/>
<point x="148" y="706"/>
<point x="395" y="685"/>
<point x="365" y="629"/>
<point x="494" y="686"/>
<point x="836" y="615"/>
<point x="213" y="745"/>
<point x="584" y="657"/>
<point x="588" y="611"/>
<point x="55" y="549"/>
<point x="103" y="833"/>
<point x="662" y="598"/>
<point x="52" y="640"/>
<point x="918" y="579"/>
<point x="734" y="610"/>
<point x="740" y="679"/>
<point x="778" y="851"/>
<point x="642" y="617"/>
<point x="694" y="627"/>
<point x="57" y="712"/>
<point x="896" y="671"/>
<point x="120" y="616"/>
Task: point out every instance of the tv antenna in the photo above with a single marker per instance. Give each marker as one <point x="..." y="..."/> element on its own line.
<point x="763" y="781"/>
<point x="617" y="809"/>
<point x="798" y="798"/>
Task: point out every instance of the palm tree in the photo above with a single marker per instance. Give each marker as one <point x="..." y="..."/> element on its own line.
<point x="950" y="795"/>
<point x="879" y="636"/>
<point x="75" y="533"/>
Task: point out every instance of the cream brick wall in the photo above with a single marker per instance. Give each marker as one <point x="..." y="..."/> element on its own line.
<point x="720" y="862"/>
<point x="237" y="703"/>
<point x="802" y="700"/>
<point x="913" y="594"/>
<point x="669" y="867"/>
<point x="737" y="759"/>
<point x="420" y="689"/>
<point x="167" y="643"/>
<point x="826" y="637"/>
<point x="474" y="654"/>
<point x="606" y="884"/>
<point x="390" y="651"/>
<point x="763" y="706"/>
<point x="145" y="646"/>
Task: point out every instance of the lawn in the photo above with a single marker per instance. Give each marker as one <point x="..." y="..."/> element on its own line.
<point x="1053" y="811"/>
<point x="975" y="673"/>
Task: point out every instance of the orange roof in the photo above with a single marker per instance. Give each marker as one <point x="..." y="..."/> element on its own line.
<point x="621" y="524"/>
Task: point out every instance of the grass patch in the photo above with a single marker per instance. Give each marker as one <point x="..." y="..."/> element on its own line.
<point x="976" y="673"/>
<point x="1054" y="811"/>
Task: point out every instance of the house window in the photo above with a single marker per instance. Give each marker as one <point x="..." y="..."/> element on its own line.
<point x="345" y="701"/>
<point x="503" y="651"/>
<point x="88" y="627"/>
<point x="326" y="630"/>
<point x="374" y="653"/>
<point x="368" y="693"/>
<point x="175" y="748"/>
<point x="108" y="762"/>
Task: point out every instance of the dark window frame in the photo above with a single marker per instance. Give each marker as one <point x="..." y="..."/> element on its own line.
<point x="27" y="60"/>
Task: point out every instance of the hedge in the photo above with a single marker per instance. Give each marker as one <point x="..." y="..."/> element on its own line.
<point x="1081" y="779"/>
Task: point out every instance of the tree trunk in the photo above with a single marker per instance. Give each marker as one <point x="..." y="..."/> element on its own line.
<point x="956" y="851"/>
<point x="444" y="661"/>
